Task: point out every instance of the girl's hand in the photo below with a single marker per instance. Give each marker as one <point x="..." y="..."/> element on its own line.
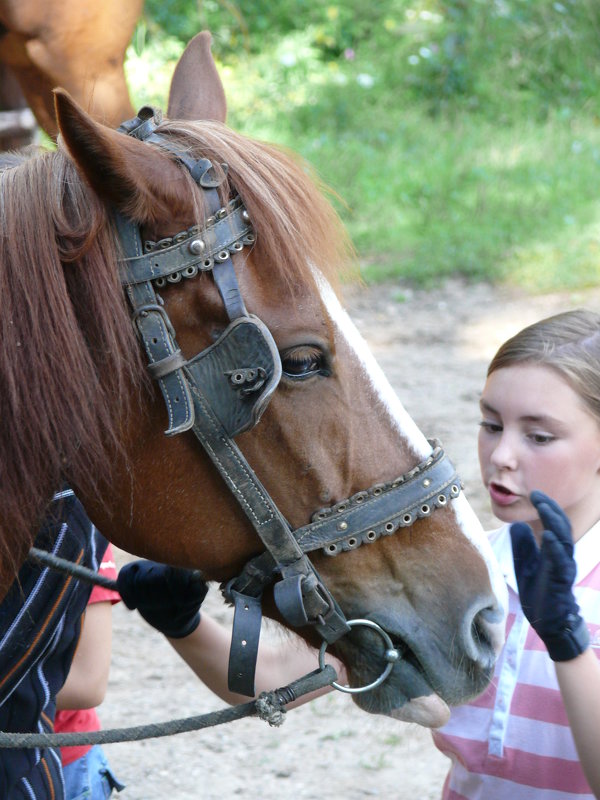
<point x="168" y="598"/>
<point x="545" y="578"/>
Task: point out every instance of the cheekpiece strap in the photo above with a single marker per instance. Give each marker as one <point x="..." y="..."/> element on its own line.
<point x="158" y="338"/>
<point x="272" y="528"/>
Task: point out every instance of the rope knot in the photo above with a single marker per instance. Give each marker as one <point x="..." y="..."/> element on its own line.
<point x="268" y="707"/>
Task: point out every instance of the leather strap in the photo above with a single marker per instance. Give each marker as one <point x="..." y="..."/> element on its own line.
<point x="272" y="528"/>
<point x="158" y="337"/>
<point x="220" y="236"/>
<point x="245" y="638"/>
<point x="227" y="284"/>
<point x="384" y="510"/>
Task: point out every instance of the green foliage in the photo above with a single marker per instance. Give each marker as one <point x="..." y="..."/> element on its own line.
<point x="539" y="55"/>
<point x="460" y="136"/>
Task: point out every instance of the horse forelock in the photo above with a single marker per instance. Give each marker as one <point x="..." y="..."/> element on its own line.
<point x="69" y="361"/>
<point x="294" y="221"/>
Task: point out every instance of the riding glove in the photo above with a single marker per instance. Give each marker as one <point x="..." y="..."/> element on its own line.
<point x="168" y="598"/>
<point x="545" y="578"/>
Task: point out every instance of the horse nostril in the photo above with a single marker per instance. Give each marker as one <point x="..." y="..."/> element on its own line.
<point x="479" y="633"/>
<point x="484" y="634"/>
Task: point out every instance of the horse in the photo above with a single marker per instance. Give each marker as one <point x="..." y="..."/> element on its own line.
<point x="176" y="274"/>
<point x="79" y="46"/>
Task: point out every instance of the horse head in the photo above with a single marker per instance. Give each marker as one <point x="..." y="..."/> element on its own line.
<point x="307" y="484"/>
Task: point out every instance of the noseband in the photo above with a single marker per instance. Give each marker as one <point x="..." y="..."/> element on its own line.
<point x="223" y="391"/>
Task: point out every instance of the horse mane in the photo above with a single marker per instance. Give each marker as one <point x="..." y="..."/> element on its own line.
<point x="69" y="359"/>
<point x="68" y="354"/>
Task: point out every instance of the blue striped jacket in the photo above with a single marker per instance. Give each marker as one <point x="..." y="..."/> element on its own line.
<point x="40" y="623"/>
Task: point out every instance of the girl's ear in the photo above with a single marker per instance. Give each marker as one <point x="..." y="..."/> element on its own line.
<point x="137" y="179"/>
<point x="196" y="89"/>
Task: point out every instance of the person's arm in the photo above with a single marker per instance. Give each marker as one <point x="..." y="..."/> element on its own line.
<point x="206" y="651"/>
<point x="579" y="681"/>
<point x="545" y="578"/>
<point x="169" y="599"/>
<point x="87" y="680"/>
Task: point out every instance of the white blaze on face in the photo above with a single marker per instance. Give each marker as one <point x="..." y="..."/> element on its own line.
<point x="466" y="518"/>
<point x="388" y="397"/>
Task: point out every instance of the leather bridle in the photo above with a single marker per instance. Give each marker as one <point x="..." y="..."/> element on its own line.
<point x="223" y="391"/>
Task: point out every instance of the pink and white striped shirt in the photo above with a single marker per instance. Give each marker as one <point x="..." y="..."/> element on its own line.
<point x="514" y="741"/>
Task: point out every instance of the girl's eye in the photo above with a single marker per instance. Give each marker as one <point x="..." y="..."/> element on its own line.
<point x="304" y="361"/>
<point x="541" y="438"/>
<point x="490" y="427"/>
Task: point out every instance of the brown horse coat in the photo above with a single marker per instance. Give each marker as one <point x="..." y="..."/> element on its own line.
<point x="74" y="44"/>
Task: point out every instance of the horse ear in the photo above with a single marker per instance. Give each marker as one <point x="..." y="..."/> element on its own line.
<point x="119" y="168"/>
<point x="196" y="89"/>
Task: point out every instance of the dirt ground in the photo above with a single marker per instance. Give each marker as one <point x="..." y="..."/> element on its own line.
<point x="434" y="347"/>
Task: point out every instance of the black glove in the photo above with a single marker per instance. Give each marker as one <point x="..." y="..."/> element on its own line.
<point x="168" y="598"/>
<point x="545" y="579"/>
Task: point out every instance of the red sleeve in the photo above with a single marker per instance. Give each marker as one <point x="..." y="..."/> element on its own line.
<point x="108" y="569"/>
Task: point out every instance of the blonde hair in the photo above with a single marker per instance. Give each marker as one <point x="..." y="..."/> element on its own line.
<point x="568" y="343"/>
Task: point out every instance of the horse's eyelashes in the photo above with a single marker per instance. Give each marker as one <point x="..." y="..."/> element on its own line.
<point x="304" y="361"/>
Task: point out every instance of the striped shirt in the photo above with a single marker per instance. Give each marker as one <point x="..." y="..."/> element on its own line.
<point x="40" y="622"/>
<point x="514" y="742"/>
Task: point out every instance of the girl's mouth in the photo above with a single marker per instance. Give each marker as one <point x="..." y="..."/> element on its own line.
<point x="501" y="495"/>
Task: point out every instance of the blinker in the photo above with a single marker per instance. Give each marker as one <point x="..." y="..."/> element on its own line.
<point x="224" y="373"/>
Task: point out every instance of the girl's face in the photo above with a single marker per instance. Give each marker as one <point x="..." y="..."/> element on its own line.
<point x="536" y="433"/>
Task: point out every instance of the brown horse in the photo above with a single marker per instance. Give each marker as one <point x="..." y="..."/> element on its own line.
<point x="75" y="404"/>
<point x="77" y="45"/>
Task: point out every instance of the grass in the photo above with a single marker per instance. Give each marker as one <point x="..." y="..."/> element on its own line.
<point x="442" y="165"/>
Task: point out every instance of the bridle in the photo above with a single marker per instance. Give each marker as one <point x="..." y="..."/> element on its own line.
<point x="223" y="391"/>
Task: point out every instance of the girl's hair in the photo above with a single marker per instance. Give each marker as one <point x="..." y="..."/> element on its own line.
<point x="568" y="343"/>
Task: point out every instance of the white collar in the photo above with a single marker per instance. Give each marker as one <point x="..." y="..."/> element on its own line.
<point x="587" y="552"/>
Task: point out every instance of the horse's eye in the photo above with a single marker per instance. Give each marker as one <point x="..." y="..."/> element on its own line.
<point x="304" y="361"/>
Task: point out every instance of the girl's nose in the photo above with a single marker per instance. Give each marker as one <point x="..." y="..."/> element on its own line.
<point x="504" y="454"/>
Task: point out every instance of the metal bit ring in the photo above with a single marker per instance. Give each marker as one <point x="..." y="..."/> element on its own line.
<point x="391" y="655"/>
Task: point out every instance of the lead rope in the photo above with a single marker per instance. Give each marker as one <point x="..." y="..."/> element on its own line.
<point x="70" y="568"/>
<point x="269" y="706"/>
